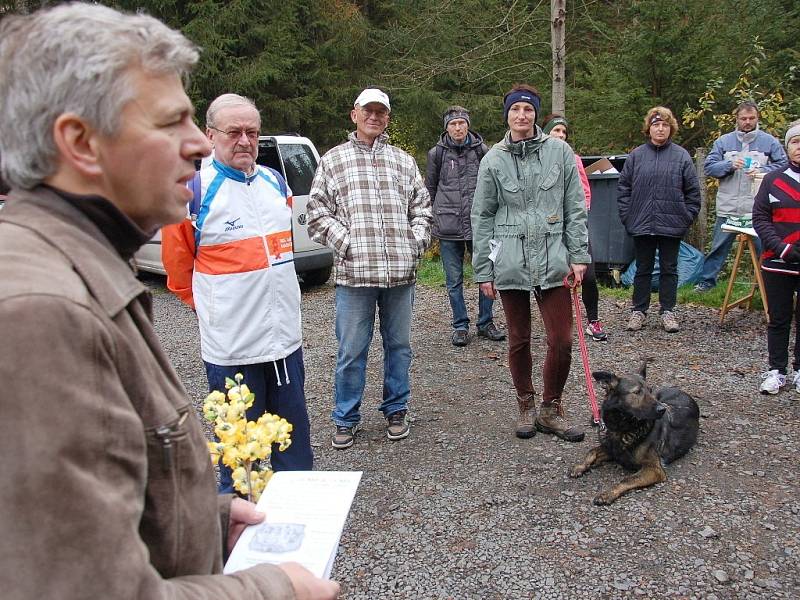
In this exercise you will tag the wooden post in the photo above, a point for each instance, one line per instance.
(558, 13)
(696, 236)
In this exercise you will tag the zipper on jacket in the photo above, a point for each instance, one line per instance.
(524, 260)
(375, 177)
(164, 435)
(546, 252)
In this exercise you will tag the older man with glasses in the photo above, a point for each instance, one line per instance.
(231, 261)
(369, 204)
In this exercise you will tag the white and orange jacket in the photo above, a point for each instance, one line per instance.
(233, 263)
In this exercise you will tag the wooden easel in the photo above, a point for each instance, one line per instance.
(744, 240)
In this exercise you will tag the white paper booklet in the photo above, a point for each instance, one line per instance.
(306, 512)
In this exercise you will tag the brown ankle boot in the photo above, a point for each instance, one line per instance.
(551, 420)
(527, 413)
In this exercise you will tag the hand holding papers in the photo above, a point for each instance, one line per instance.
(306, 512)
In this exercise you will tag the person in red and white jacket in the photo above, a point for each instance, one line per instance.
(776, 219)
(232, 262)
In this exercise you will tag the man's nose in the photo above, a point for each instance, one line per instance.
(198, 145)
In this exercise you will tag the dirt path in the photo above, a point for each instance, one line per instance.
(462, 509)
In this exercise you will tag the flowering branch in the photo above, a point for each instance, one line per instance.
(244, 446)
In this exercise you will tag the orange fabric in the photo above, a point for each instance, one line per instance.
(177, 255)
(279, 244)
(239, 256)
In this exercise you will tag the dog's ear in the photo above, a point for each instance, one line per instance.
(608, 380)
(643, 368)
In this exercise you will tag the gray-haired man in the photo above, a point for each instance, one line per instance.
(110, 491)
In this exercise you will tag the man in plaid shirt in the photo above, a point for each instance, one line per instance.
(369, 204)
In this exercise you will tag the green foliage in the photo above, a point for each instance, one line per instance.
(430, 272)
(304, 61)
(400, 135)
(778, 104)
(713, 113)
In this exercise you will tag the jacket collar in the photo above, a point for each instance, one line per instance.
(527, 146)
(380, 142)
(663, 146)
(474, 140)
(235, 174)
(746, 137)
(109, 278)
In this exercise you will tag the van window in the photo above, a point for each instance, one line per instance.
(268, 155)
(300, 165)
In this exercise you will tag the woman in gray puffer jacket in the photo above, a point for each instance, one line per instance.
(659, 198)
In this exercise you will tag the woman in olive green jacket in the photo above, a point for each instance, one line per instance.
(529, 233)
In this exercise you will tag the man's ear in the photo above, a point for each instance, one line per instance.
(77, 144)
(353, 116)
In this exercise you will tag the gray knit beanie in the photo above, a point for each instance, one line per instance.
(794, 130)
(455, 112)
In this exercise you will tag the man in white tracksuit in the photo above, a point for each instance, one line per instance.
(231, 260)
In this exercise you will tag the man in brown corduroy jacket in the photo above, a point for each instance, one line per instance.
(108, 489)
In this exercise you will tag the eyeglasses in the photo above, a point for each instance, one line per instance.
(236, 134)
(380, 113)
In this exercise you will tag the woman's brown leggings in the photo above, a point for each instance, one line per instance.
(556, 310)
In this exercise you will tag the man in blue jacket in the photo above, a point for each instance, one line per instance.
(735, 160)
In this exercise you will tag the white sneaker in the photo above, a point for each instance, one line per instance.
(773, 382)
(796, 381)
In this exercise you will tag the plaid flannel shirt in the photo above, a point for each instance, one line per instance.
(371, 207)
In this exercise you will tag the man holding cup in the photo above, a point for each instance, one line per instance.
(736, 158)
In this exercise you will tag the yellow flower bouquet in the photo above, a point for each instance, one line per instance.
(244, 446)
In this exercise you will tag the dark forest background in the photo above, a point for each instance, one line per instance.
(304, 61)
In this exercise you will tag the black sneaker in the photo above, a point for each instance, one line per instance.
(344, 436)
(491, 332)
(460, 337)
(398, 426)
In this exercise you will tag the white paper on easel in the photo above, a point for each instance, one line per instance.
(306, 512)
(734, 229)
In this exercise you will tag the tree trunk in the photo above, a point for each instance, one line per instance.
(696, 236)
(558, 13)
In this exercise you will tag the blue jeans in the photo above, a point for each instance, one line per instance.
(453, 263)
(277, 394)
(721, 245)
(355, 323)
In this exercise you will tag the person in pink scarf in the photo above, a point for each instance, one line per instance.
(556, 126)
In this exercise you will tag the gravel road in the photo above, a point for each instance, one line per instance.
(462, 509)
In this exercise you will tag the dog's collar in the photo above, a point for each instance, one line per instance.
(629, 439)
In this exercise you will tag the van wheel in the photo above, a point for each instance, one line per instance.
(317, 276)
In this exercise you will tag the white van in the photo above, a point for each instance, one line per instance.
(296, 158)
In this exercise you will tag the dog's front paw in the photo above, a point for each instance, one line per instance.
(577, 470)
(604, 499)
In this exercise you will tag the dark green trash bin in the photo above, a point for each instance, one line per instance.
(612, 247)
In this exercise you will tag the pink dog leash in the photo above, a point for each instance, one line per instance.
(569, 282)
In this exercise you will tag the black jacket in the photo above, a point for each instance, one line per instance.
(451, 176)
(659, 193)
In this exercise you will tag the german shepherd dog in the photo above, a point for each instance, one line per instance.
(644, 431)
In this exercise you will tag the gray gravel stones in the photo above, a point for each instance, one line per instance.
(462, 509)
